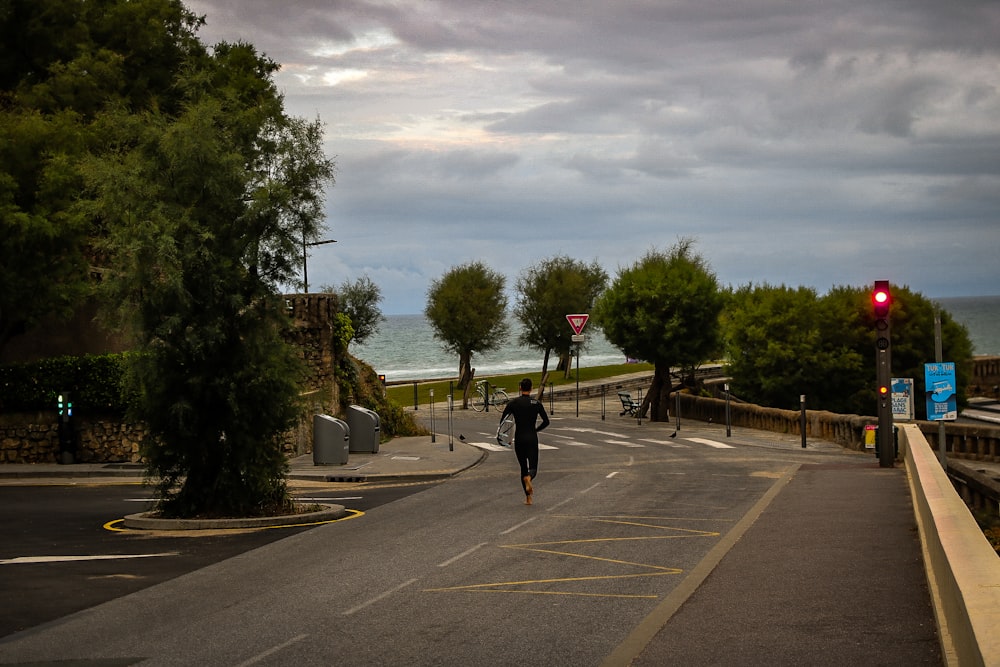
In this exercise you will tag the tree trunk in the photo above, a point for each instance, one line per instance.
(465, 375)
(658, 398)
(465, 370)
(545, 375)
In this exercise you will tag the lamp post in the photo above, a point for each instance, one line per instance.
(305, 257)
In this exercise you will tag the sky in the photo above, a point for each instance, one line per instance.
(800, 142)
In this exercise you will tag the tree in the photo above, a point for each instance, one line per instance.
(359, 301)
(783, 342)
(546, 293)
(663, 309)
(202, 216)
(466, 308)
(63, 63)
(778, 348)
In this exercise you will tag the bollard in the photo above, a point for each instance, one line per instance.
(415, 402)
(802, 418)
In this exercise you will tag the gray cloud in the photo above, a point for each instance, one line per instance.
(820, 143)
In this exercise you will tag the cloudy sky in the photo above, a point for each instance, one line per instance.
(804, 142)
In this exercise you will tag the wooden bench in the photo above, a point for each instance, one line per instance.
(629, 405)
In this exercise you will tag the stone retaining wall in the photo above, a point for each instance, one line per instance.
(109, 438)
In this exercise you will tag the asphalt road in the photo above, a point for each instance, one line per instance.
(462, 573)
(63, 552)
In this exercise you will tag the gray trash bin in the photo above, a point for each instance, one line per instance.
(331, 440)
(365, 426)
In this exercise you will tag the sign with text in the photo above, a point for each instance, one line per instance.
(939, 384)
(902, 398)
(578, 321)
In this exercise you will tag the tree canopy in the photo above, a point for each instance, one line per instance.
(663, 309)
(546, 293)
(782, 343)
(467, 309)
(173, 173)
(64, 63)
(359, 300)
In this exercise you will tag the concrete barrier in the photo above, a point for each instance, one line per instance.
(963, 570)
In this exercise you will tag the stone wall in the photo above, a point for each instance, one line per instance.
(107, 438)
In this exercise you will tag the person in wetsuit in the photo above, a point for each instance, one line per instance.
(526, 412)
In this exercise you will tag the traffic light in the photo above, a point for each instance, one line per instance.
(881, 299)
(882, 303)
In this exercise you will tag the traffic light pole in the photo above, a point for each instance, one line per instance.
(886, 441)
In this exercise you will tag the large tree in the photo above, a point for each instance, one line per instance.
(778, 350)
(663, 309)
(63, 63)
(784, 342)
(546, 293)
(200, 215)
(467, 309)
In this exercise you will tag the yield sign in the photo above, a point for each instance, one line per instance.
(578, 321)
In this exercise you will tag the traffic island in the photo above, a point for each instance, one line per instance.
(149, 521)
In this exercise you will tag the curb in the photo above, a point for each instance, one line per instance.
(143, 521)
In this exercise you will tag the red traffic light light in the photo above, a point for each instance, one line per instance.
(881, 298)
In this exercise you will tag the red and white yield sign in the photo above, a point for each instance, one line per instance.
(578, 321)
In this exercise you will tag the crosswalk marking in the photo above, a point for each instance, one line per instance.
(624, 443)
(710, 443)
(668, 443)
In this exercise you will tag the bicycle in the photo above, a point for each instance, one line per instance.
(497, 398)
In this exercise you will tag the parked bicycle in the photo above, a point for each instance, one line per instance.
(498, 397)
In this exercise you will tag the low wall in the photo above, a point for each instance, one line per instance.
(34, 438)
(962, 567)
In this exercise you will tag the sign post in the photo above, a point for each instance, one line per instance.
(577, 321)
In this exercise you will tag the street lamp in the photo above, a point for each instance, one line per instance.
(305, 256)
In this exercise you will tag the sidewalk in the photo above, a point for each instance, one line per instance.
(398, 459)
(829, 572)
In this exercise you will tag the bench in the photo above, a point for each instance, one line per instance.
(629, 405)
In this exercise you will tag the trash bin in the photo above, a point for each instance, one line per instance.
(364, 425)
(331, 440)
(895, 442)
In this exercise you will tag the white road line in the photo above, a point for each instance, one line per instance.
(541, 446)
(591, 430)
(515, 527)
(590, 488)
(624, 443)
(23, 560)
(462, 555)
(710, 443)
(611, 474)
(354, 610)
(558, 505)
(271, 651)
(668, 443)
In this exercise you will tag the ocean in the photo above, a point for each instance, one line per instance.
(405, 348)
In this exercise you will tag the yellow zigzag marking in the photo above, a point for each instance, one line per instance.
(654, 570)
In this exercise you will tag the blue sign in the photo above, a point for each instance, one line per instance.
(939, 383)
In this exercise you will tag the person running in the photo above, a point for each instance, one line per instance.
(526, 412)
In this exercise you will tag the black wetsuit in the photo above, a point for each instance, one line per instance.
(526, 412)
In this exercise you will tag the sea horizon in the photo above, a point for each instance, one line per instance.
(405, 348)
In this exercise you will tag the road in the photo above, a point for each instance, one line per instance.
(62, 551)
(460, 573)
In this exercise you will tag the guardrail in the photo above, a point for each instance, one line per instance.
(962, 568)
